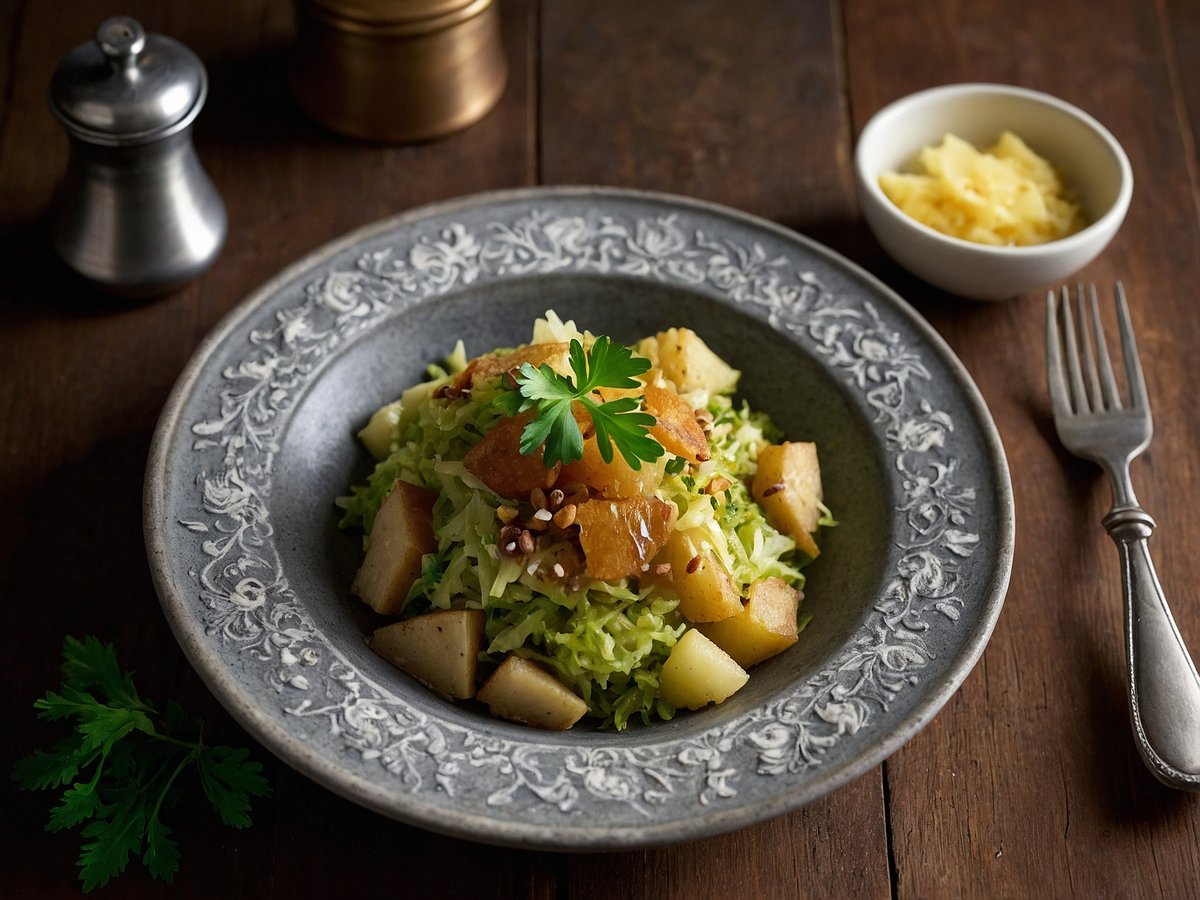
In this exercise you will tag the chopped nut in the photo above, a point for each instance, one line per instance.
(525, 543)
(565, 517)
(535, 524)
(537, 497)
(774, 489)
(718, 485)
(558, 570)
(662, 569)
(510, 540)
(693, 564)
(556, 499)
(543, 515)
(449, 392)
(507, 514)
(575, 494)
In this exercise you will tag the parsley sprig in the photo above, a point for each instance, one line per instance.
(618, 423)
(122, 766)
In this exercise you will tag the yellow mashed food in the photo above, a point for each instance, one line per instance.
(1007, 195)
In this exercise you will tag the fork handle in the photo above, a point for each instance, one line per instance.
(1164, 687)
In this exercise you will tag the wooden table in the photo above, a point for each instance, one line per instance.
(1026, 784)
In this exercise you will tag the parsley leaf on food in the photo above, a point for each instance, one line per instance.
(675, 465)
(620, 422)
(121, 767)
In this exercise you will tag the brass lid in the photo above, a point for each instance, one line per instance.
(397, 15)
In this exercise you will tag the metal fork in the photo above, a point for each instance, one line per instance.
(1093, 422)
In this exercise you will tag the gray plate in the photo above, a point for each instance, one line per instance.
(257, 439)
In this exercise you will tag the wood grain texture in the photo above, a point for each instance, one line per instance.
(835, 847)
(11, 13)
(736, 103)
(1026, 784)
(1182, 37)
(1028, 781)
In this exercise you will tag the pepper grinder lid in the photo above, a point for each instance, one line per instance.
(127, 86)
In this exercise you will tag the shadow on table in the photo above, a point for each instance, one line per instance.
(34, 278)
(249, 103)
(36, 282)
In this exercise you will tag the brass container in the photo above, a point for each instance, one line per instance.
(397, 70)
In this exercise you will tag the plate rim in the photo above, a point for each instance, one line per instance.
(321, 768)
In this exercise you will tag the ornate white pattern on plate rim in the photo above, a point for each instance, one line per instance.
(248, 603)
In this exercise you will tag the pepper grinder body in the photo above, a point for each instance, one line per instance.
(139, 220)
(136, 213)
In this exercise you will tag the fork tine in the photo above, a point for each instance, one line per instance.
(1060, 403)
(1079, 400)
(1112, 396)
(1138, 398)
(1088, 339)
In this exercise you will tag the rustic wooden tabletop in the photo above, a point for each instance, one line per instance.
(1026, 784)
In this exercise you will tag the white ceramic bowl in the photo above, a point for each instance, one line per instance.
(1092, 162)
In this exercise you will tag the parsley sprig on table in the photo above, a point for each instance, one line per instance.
(617, 422)
(122, 766)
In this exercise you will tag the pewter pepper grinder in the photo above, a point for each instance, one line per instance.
(136, 213)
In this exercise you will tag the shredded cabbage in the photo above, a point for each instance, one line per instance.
(606, 641)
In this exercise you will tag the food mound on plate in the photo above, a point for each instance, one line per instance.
(574, 527)
(1006, 196)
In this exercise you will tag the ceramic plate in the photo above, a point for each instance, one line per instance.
(258, 438)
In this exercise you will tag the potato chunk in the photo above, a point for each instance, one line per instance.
(497, 461)
(766, 626)
(698, 673)
(787, 486)
(440, 649)
(493, 365)
(522, 691)
(620, 537)
(705, 589)
(401, 534)
(616, 479)
(675, 424)
(689, 363)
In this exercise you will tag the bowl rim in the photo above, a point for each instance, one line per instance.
(1099, 229)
